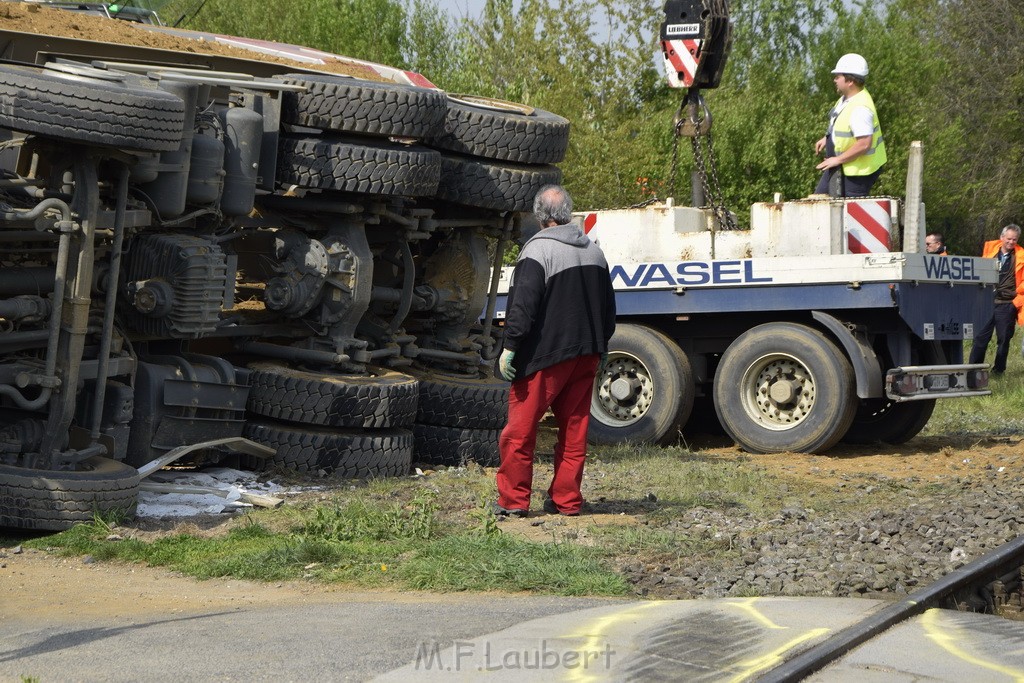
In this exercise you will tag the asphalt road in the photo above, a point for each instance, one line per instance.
(339, 639)
(424, 637)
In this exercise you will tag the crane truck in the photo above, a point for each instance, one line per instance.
(243, 254)
(821, 323)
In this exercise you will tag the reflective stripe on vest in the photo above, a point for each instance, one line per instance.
(842, 137)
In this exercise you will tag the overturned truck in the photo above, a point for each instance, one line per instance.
(200, 252)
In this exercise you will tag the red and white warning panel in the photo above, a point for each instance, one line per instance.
(868, 226)
(682, 57)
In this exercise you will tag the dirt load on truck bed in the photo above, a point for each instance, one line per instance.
(46, 21)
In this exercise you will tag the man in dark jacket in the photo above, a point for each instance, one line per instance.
(559, 318)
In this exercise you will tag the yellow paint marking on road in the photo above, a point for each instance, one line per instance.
(596, 635)
(747, 605)
(774, 658)
(947, 636)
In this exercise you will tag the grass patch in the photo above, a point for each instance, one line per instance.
(659, 544)
(1001, 413)
(679, 479)
(363, 541)
(483, 562)
(433, 533)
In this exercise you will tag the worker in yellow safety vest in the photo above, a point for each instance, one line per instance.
(854, 140)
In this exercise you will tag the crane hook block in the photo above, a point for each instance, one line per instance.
(696, 37)
(693, 118)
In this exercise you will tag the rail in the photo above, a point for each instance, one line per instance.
(986, 568)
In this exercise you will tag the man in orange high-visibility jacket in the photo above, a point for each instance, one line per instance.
(1009, 308)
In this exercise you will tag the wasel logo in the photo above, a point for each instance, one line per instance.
(950, 268)
(687, 273)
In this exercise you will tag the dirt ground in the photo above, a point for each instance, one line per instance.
(34, 581)
(923, 460)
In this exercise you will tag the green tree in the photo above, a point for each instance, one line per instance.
(978, 107)
(374, 30)
(590, 61)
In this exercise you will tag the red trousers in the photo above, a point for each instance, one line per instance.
(566, 388)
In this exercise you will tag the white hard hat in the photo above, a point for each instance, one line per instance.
(852, 64)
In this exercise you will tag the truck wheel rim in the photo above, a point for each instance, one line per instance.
(778, 391)
(622, 391)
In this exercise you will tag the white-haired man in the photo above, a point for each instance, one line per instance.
(559, 318)
(1009, 306)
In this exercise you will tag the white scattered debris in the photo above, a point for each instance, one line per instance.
(229, 489)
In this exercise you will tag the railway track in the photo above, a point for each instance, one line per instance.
(991, 584)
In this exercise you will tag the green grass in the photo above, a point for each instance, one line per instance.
(502, 562)
(1001, 413)
(679, 479)
(358, 539)
(434, 533)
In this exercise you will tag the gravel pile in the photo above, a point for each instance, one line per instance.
(886, 552)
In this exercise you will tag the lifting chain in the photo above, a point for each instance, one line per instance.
(693, 120)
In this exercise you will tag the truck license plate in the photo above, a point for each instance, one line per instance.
(937, 382)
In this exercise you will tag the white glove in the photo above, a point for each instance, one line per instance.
(505, 365)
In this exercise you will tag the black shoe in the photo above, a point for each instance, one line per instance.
(499, 511)
(552, 509)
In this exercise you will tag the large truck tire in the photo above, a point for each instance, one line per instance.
(784, 387)
(352, 454)
(381, 398)
(346, 166)
(891, 422)
(479, 402)
(499, 186)
(454, 447)
(54, 500)
(89, 111)
(644, 393)
(509, 132)
(882, 419)
(364, 107)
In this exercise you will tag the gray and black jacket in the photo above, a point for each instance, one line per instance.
(561, 304)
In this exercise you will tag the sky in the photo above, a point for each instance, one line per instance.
(461, 8)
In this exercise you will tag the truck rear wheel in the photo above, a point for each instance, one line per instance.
(488, 185)
(644, 393)
(351, 454)
(56, 500)
(881, 419)
(380, 398)
(885, 420)
(795, 390)
(479, 402)
(454, 446)
(364, 107)
(349, 166)
(88, 110)
(503, 130)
